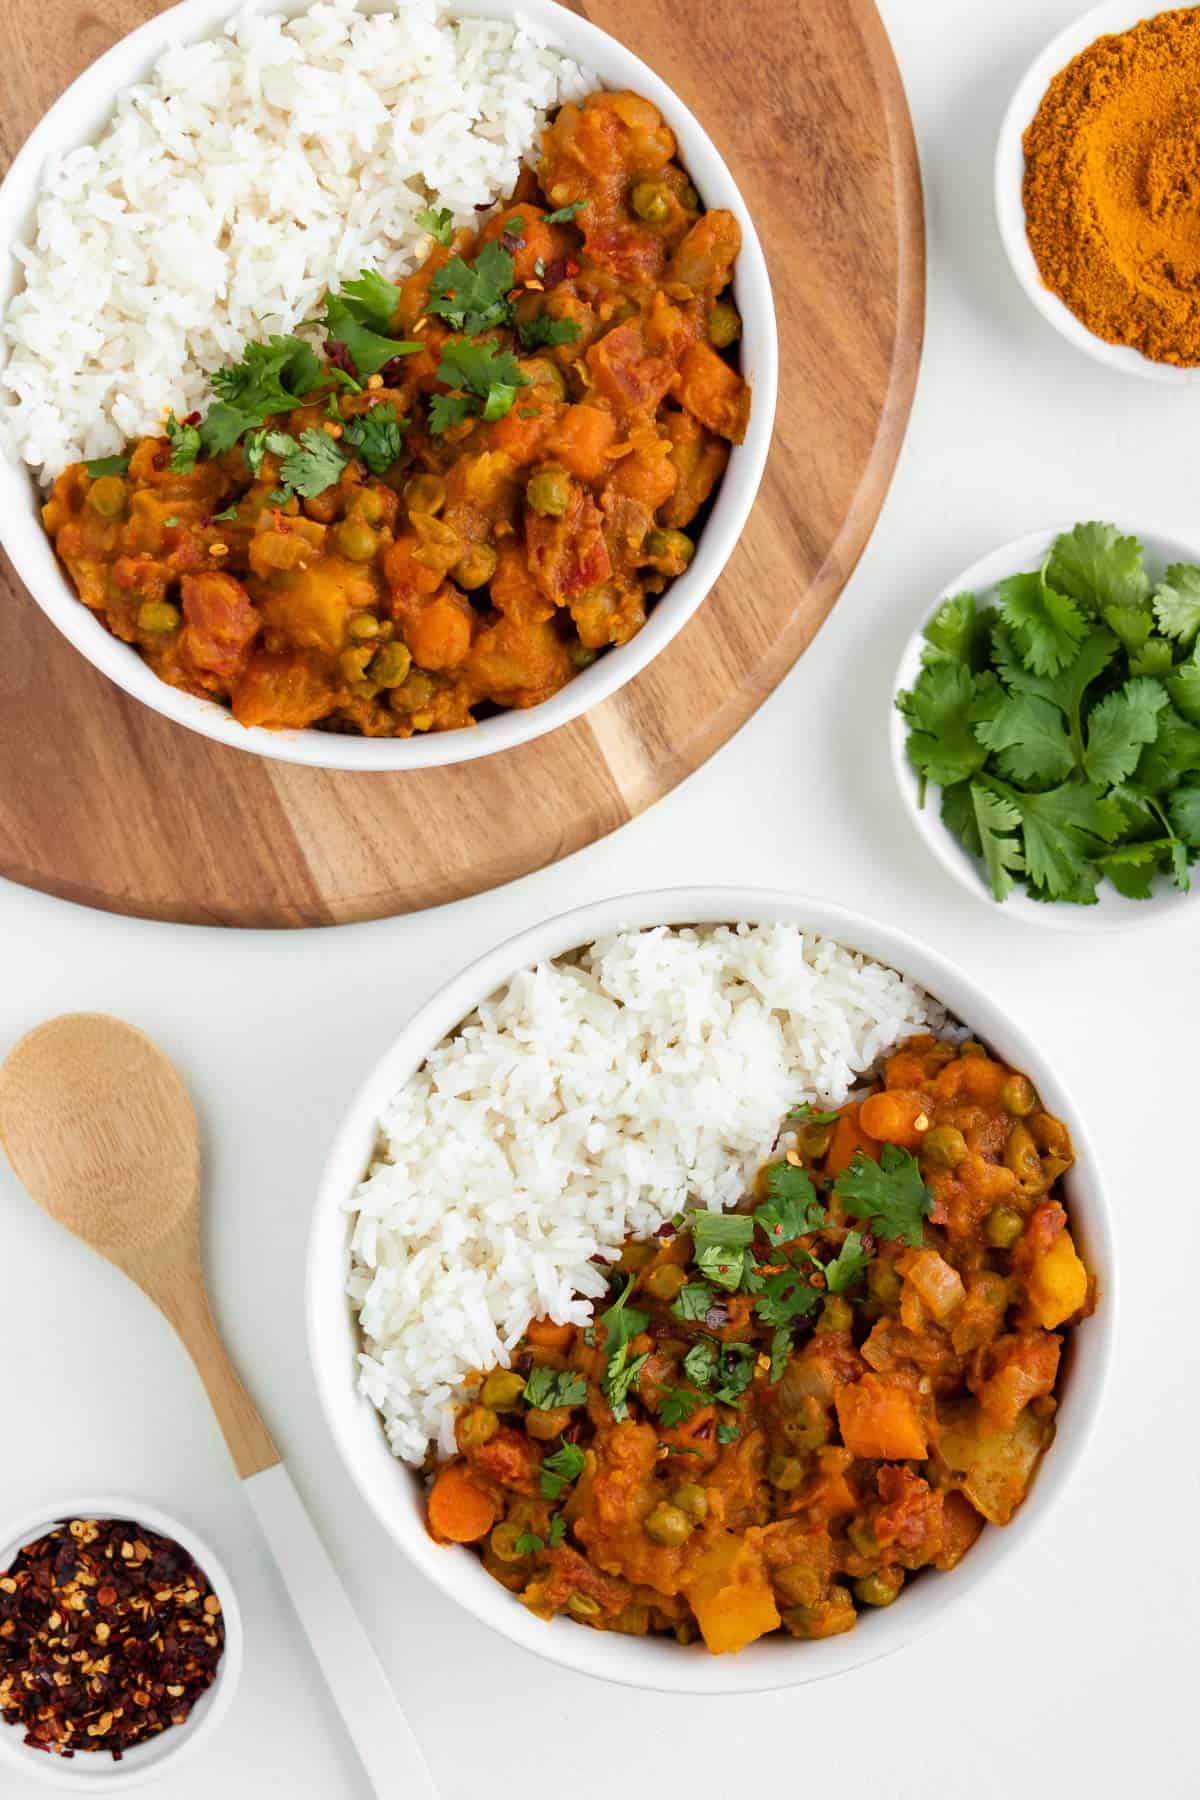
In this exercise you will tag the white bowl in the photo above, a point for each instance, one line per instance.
(158, 1755)
(395, 1493)
(1112, 16)
(1112, 912)
(84, 109)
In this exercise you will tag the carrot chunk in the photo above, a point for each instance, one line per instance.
(459, 1512)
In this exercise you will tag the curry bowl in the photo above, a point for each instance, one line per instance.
(1110, 17)
(158, 1756)
(395, 1492)
(85, 108)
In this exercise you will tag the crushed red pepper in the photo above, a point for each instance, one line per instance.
(109, 1634)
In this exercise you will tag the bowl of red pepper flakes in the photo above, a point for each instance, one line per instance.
(120, 1643)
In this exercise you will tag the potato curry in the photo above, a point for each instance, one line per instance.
(788, 1410)
(496, 468)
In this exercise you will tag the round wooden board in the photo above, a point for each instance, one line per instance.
(104, 802)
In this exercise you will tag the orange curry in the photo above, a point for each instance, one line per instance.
(486, 482)
(787, 1411)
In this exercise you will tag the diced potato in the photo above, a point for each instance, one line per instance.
(1057, 1283)
(877, 1419)
(731, 1596)
(992, 1468)
(938, 1285)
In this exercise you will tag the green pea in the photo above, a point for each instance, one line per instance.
(787, 1473)
(836, 1314)
(668, 1525)
(883, 1281)
(671, 551)
(666, 1281)
(724, 324)
(1018, 1096)
(1002, 1227)
(157, 615)
(814, 1141)
(691, 1498)
(362, 626)
(356, 540)
(944, 1147)
(476, 566)
(476, 1427)
(503, 1542)
(107, 497)
(353, 663)
(651, 200)
(548, 492)
(390, 665)
(879, 1589)
(502, 1390)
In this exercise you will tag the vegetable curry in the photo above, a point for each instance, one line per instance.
(485, 484)
(788, 1410)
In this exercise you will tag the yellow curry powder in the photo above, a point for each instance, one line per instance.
(1112, 187)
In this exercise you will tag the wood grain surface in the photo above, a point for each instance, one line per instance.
(106, 803)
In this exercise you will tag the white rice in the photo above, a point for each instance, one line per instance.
(247, 175)
(589, 1100)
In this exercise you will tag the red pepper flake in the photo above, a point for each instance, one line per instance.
(555, 272)
(109, 1634)
(337, 354)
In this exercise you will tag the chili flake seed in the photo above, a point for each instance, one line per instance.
(794, 1158)
(217, 550)
(77, 1682)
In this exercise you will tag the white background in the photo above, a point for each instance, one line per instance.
(1077, 1673)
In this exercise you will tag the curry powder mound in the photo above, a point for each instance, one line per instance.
(1112, 187)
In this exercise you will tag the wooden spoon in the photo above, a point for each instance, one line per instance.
(99, 1128)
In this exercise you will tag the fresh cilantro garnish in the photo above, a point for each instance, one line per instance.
(376, 436)
(359, 318)
(439, 223)
(563, 213)
(890, 1194)
(848, 1266)
(185, 446)
(549, 1388)
(784, 1297)
(174, 520)
(560, 1470)
(529, 1543)
(1059, 725)
(222, 518)
(722, 1242)
(311, 466)
(676, 1406)
(544, 331)
(700, 1363)
(621, 1323)
(107, 465)
(811, 1117)
(271, 378)
(693, 1301)
(781, 1345)
(473, 297)
(722, 1372)
(486, 377)
(793, 1208)
(728, 1432)
(558, 1531)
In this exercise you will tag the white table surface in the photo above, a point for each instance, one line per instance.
(1077, 1671)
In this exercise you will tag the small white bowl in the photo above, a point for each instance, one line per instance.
(1112, 16)
(396, 1494)
(81, 113)
(1112, 912)
(87, 1773)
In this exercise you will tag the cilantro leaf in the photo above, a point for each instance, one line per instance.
(1177, 602)
(446, 410)
(107, 465)
(546, 1389)
(376, 436)
(1132, 625)
(1097, 567)
(185, 445)
(848, 1266)
(957, 633)
(793, 1208)
(785, 1297)
(618, 1384)
(529, 1543)
(735, 1369)
(1154, 658)
(781, 1347)
(1062, 830)
(314, 465)
(1174, 752)
(558, 1531)
(993, 818)
(811, 1116)
(958, 815)
(486, 377)
(1133, 868)
(1029, 739)
(693, 1301)
(941, 712)
(473, 297)
(563, 213)
(621, 1323)
(728, 1432)
(544, 331)
(359, 317)
(438, 223)
(1185, 814)
(560, 1470)
(1118, 728)
(721, 1243)
(221, 518)
(700, 1363)
(1183, 685)
(890, 1194)
(1047, 626)
(274, 377)
(676, 1405)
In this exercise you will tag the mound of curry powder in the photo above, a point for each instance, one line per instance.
(1112, 187)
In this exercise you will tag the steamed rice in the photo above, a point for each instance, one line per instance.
(248, 174)
(589, 1100)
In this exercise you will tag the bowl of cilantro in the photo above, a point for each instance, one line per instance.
(1046, 726)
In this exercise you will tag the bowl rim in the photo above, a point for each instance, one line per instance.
(144, 1762)
(1008, 173)
(391, 1489)
(90, 98)
(1113, 912)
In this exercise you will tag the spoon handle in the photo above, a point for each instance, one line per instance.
(378, 1729)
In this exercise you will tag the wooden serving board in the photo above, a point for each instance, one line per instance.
(104, 802)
